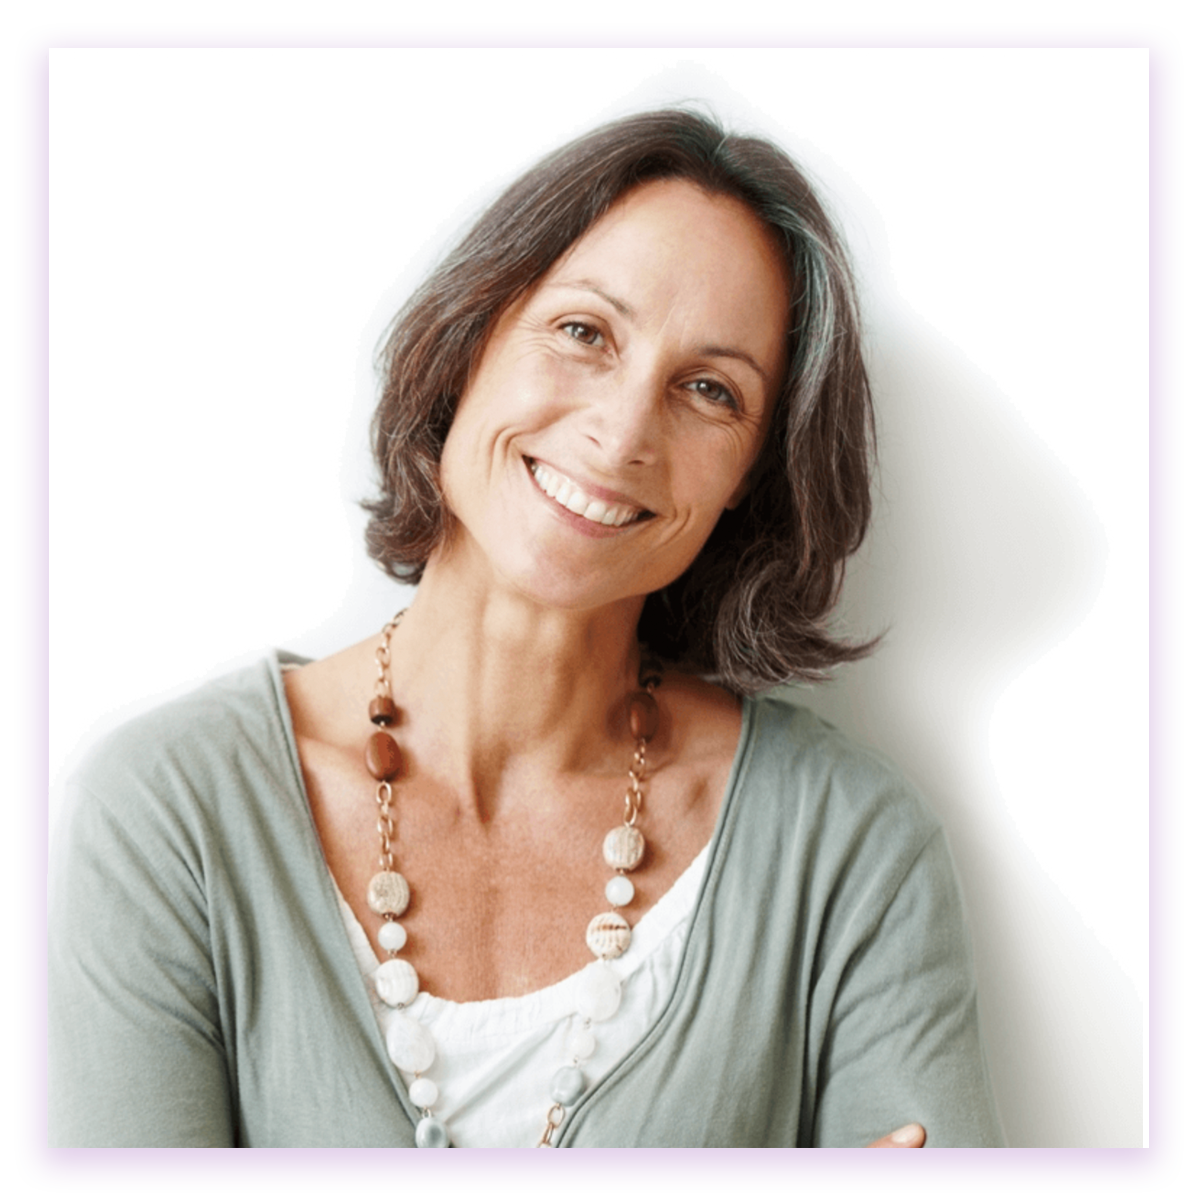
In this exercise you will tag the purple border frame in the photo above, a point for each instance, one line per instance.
(1015, 1170)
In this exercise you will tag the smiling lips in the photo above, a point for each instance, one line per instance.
(572, 497)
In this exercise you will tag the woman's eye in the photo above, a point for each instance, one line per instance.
(718, 393)
(578, 331)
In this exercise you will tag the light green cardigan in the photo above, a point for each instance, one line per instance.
(203, 991)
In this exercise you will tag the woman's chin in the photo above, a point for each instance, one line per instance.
(566, 591)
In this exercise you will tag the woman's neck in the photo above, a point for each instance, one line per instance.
(498, 690)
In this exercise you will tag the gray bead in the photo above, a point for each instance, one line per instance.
(568, 1085)
(431, 1134)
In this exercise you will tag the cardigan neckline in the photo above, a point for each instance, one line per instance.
(718, 847)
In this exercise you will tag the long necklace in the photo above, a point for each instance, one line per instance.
(598, 987)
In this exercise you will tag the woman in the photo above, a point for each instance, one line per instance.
(568, 896)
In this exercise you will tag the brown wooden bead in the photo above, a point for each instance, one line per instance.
(383, 756)
(382, 710)
(643, 715)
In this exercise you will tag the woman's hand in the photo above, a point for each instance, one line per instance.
(910, 1137)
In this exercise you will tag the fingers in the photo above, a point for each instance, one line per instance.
(911, 1137)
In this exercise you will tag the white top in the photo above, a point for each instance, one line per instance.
(496, 1058)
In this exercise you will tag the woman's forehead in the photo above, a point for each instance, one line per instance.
(672, 248)
(675, 214)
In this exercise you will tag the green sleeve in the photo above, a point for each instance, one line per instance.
(136, 1050)
(902, 1042)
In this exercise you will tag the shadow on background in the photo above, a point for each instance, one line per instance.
(985, 555)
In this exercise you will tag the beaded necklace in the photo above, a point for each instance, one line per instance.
(410, 1045)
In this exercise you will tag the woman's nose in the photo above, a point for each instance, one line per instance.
(624, 419)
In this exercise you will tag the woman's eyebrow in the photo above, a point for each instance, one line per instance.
(588, 285)
(733, 352)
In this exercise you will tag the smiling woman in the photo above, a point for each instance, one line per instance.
(579, 888)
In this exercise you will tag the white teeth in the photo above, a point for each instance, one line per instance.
(562, 490)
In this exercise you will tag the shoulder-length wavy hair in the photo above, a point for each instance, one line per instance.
(752, 609)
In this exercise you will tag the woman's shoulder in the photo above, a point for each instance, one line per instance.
(790, 771)
(837, 828)
(231, 725)
(826, 779)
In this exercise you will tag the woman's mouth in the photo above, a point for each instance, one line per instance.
(576, 499)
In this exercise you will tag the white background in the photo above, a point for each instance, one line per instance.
(230, 232)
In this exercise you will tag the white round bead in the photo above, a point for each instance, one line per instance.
(608, 935)
(618, 891)
(597, 991)
(581, 1044)
(393, 935)
(396, 982)
(624, 847)
(409, 1044)
(423, 1093)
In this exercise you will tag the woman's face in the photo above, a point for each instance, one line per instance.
(618, 407)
